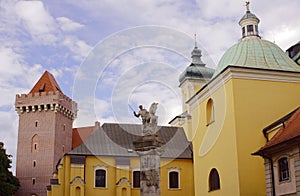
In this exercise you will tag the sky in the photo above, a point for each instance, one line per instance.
(107, 54)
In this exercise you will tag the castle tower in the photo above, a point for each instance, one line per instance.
(44, 135)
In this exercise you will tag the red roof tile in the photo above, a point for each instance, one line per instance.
(290, 131)
(46, 83)
(81, 134)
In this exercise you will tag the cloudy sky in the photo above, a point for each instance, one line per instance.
(108, 54)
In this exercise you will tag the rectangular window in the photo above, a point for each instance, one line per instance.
(136, 179)
(100, 178)
(284, 173)
(250, 29)
(173, 180)
(243, 31)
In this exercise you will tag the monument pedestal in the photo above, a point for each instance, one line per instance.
(149, 148)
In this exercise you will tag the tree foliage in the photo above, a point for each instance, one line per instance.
(9, 184)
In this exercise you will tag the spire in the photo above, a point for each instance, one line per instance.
(249, 23)
(196, 54)
(46, 83)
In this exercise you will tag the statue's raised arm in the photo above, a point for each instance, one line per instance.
(144, 115)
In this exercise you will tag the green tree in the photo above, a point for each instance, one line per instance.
(9, 184)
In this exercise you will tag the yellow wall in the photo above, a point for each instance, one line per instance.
(242, 109)
(67, 174)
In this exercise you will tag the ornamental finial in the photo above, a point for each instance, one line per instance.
(195, 35)
(247, 6)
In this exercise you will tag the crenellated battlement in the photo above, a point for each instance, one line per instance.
(46, 101)
(40, 94)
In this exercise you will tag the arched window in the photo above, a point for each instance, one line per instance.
(34, 143)
(136, 179)
(210, 113)
(36, 123)
(100, 178)
(34, 163)
(284, 172)
(77, 191)
(214, 180)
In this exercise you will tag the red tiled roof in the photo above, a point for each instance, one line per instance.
(46, 83)
(81, 134)
(290, 131)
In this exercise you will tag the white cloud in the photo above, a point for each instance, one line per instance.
(39, 23)
(79, 47)
(68, 25)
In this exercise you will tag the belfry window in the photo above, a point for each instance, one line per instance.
(210, 113)
(250, 29)
(284, 173)
(243, 32)
(214, 180)
(100, 178)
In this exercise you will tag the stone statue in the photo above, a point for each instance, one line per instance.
(247, 6)
(149, 119)
(144, 115)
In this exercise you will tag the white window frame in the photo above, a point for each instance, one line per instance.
(174, 169)
(100, 167)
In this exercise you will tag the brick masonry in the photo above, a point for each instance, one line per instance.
(44, 135)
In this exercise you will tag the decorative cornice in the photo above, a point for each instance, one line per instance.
(237, 72)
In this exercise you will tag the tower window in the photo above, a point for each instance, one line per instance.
(250, 29)
(284, 173)
(34, 163)
(136, 179)
(34, 143)
(33, 181)
(36, 123)
(210, 113)
(243, 31)
(63, 148)
(214, 180)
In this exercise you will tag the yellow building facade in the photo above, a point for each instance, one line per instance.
(254, 83)
(105, 164)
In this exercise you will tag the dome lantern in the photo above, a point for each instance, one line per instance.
(249, 23)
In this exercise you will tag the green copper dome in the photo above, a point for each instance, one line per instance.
(257, 53)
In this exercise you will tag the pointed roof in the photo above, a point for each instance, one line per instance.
(290, 131)
(46, 83)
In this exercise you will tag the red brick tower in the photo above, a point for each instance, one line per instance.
(45, 133)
